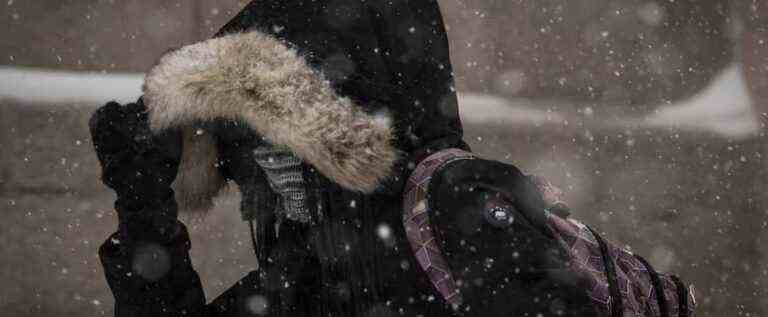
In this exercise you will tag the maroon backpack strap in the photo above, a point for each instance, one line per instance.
(617, 305)
(658, 288)
(682, 296)
(416, 211)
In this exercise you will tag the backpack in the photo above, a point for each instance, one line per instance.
(621, 283)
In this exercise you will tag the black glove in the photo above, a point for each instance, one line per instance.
(483, 185)
(140, 166)
(491, 222)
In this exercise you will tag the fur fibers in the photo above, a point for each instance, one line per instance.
(256, 78)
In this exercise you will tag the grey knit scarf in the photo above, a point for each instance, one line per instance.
(284, 173)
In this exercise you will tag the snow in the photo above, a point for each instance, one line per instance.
(651, 13)
(257, 304)
(723, 108)
(690, 202)
(61, 87)
(384, 231)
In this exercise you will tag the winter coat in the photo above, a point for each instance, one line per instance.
(362, 92)
(359, 90)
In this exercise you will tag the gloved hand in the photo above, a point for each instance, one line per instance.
(482, 186)
(491, 222)
(140, 166)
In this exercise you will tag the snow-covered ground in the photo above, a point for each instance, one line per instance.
(50, 86)
(723, 108)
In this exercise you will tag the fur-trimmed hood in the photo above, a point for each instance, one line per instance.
(256, 78)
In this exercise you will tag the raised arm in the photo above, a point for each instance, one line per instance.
(146, 262)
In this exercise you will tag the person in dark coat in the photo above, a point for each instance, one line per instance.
(318, 111)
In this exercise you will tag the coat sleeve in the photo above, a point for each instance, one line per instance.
(151, 278)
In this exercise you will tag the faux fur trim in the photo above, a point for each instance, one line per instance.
(256, 78)
(198, 181)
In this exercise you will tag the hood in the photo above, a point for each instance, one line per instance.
(257, 79)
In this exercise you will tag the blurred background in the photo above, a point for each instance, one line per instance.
(650, 114)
